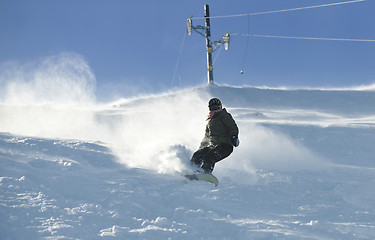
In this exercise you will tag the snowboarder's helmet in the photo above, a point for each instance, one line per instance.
(214, 104)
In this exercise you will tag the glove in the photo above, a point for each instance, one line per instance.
(235, 141)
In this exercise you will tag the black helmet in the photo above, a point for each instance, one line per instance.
(214, 104)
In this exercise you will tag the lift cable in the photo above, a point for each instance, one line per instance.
(305, 38)
(283, 10)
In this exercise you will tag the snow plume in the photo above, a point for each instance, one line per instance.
(65, 78)
(265, 149)
(160, 132)
(55, 98)
(369, 87)
(50, 97)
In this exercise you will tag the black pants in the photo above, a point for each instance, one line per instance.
(208, 156)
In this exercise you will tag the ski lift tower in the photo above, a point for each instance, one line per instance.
(209, 44)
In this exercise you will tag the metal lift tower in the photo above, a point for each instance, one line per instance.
(209, 43)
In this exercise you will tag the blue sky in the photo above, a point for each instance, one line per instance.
(132, 44)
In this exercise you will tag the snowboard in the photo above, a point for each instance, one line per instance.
(202, 177)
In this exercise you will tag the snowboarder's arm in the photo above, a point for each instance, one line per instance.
(206, 140)
(231, 125)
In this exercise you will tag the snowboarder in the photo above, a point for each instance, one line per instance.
(220, 137)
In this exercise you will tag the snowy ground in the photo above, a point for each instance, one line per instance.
(305, 168)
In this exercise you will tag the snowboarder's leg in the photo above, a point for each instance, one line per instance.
(198, 156)
(215, 155)
(208, 165)
(222, 151)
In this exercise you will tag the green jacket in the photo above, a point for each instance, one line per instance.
(219, 129)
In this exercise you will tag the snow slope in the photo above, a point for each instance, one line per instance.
(305, 168)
